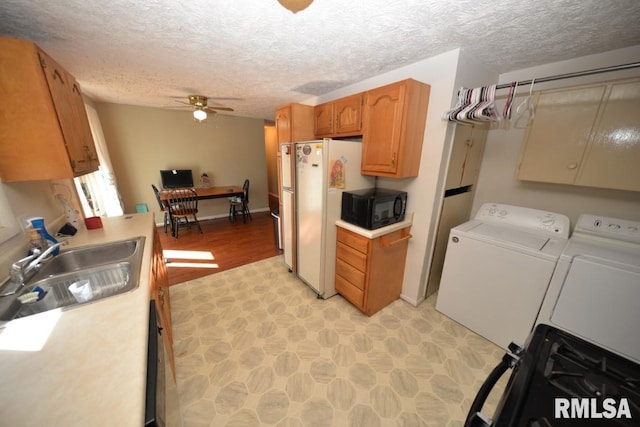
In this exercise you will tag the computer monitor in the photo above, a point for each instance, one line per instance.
(175, 178)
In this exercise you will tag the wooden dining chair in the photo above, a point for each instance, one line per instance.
(240, 204)
(162, 206)
(183, 206)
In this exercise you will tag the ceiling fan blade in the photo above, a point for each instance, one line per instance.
(219, 108)
(181, 102)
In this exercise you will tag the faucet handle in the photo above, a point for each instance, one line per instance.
(19, 264)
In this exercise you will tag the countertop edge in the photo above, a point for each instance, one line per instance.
(372, 234)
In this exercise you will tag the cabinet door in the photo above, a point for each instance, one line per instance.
(283, 124)
(59, 83)
(69, 105)
(559, 134)
(612, 159)
(382, 129)
(323, 120)
(348, 115)
(466, 156)
(85, 158)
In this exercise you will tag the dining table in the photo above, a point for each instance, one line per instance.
(202, 193)
(209, 192)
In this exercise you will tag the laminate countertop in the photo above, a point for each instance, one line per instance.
(373, 234)
(85, 366)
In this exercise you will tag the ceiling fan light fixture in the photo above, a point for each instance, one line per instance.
(295, 5)
(200, 115)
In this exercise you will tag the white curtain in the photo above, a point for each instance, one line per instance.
(98, 191)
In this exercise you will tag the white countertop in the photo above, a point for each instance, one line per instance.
(372, 234)
(85, 366)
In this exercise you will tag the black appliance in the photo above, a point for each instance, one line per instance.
(176, 178)
(155, 409)
(561, 380)
(373, 208)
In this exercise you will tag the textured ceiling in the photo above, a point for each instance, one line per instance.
(254, 55)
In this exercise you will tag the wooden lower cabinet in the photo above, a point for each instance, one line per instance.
(160, 293)
(369, 272)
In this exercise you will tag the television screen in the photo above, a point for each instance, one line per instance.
(176, 178)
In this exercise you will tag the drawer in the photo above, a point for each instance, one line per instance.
(350, 273)
(351, 256)
(357, 242)
(354, 295)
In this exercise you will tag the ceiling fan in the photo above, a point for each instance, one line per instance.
(199, 104)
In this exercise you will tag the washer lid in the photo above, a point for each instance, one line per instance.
(510, 235)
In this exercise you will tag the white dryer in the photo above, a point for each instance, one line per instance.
(497, 269)
(595, 290)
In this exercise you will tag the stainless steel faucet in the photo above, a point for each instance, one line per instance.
(22, 269)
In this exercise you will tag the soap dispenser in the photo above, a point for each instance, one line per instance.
(38, 224)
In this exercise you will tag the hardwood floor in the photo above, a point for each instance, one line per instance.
(230, 244)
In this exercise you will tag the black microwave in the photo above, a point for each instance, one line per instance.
(373, 208)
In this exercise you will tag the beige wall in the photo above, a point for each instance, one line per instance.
(26, 200)
(142, 141)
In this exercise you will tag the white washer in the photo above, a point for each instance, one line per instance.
(497, 269)
(595, 290)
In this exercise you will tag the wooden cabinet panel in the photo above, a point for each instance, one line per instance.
(353, 240)
(394, 119)
(350, 273)
(612, 160)
(294, 122)
(379, 283)
(323, 120)
(69, 105)
(283, 124)
(339, 118)
(353, 294)
(348, 115)
(352, 256)
(45, 134)
(159, 283)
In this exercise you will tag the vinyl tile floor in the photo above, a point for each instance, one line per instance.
(255, 347)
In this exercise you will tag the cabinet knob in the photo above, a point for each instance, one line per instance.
(572, 166)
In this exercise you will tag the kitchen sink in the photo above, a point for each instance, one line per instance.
(110, 268)
(90, 256)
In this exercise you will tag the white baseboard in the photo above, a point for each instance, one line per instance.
(414, 302)
(202, 218)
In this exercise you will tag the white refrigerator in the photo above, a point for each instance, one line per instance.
(288, 202)
(324, 169)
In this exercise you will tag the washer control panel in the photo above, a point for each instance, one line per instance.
(612, 228)
(548, 223)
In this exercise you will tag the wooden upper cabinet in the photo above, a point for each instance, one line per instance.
(394, 119)
(45, 133)
(339, 118)
(294, 122)
(323, 120)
